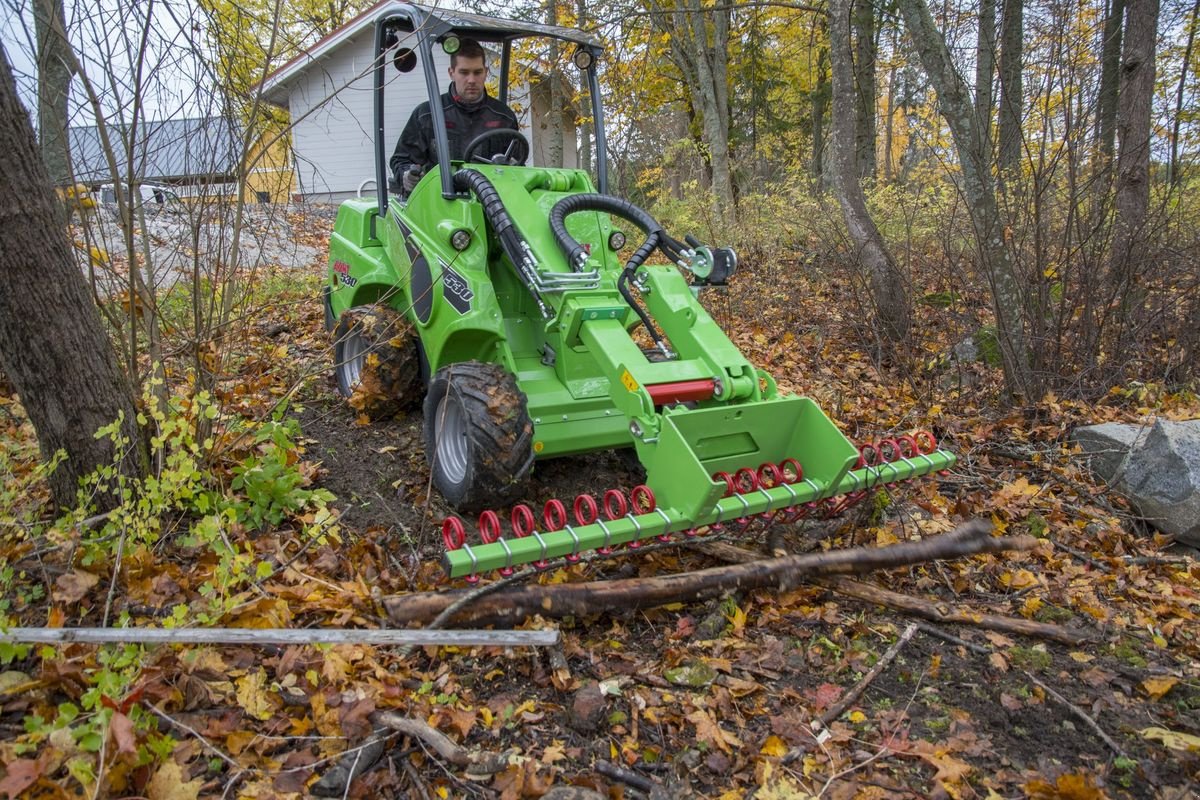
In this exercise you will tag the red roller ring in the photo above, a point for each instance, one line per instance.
(522, 521)
(453, 533)
(586, 510)
(615, 504)
(769, 475)
(728, 480)
(797, 470)
(554, 515)
(642, 500)
(886, 445)
(489, 527)
(909, 444)
(745, 480)
(926, 443)
(868, 460)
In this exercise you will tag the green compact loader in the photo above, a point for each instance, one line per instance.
(497, 294)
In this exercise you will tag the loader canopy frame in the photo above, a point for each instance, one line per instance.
(432, 26)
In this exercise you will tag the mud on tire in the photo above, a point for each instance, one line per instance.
(478, 436)
(376, 361)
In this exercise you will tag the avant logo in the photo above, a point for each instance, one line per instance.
(343, 271)
(455, 289)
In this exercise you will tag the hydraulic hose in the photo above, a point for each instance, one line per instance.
(576, 254)
(514, 245)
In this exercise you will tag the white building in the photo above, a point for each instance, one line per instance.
(327, 91)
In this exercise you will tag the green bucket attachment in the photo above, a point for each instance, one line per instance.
(694, 445)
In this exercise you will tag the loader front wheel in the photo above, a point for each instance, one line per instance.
(478, 435)
(376, 362)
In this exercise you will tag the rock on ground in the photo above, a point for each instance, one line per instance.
(1156, 468)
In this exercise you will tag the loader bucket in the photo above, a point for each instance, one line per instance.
(697, 444)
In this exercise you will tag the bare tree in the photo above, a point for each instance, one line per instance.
(1012, 31)
(1133, 132)
(53, 346)
(887, 285)
(1110, 62)
(700, 48)
(956, 106)
(866, 51)
(55, 67)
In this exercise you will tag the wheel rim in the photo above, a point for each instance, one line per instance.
(451, 431)
(354, 349)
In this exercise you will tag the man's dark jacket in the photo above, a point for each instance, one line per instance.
(464, 121)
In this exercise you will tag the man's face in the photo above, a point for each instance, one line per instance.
(469, 75)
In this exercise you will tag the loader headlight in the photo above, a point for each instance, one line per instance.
(582, 58)
(616, 240)
(460, 240)
(451, 44)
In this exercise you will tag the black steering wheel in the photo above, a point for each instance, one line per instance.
(516, 153)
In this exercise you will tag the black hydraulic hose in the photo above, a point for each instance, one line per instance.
(514, 245)
(573, 250)
(623, 288)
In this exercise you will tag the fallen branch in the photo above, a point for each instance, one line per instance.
(1079, 712)
(942, 612)
(265, 636)
(820, 724)
(511, 606)
(476, 762)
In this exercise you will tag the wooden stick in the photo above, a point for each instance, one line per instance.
(477, 762)
(514, 605)
(268, 636)
(626, 776)
(837, 708)
(942, 612)
(1079, 712)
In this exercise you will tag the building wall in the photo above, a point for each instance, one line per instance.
(271, 176)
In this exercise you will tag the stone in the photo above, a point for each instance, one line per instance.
(588, 708)
(1157, 469)
(1105, 446)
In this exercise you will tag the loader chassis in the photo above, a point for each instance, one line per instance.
(502, 290)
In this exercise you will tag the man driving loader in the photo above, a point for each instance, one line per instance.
(469, 112)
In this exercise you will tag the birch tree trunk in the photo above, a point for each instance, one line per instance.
(554, 115)
(887, 285)
(956, 107)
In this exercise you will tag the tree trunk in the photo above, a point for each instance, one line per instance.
(1133, 132)
(53, 346)
(887, 285)
(1173, 163)
(584, 99)
(866, 53)
(1110, 63)
(1011, 97)
(819, 99)
(53, 88)
(554, 116)
(985, 70)
(700, 48)
(954, 102)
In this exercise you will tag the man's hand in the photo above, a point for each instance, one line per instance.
(412, 176)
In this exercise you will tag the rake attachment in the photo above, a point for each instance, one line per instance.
(773, 492)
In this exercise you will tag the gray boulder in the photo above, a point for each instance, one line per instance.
(1157, 468)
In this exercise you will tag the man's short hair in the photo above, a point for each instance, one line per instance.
(468, 48)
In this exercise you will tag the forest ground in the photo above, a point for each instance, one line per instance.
(698, 699)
